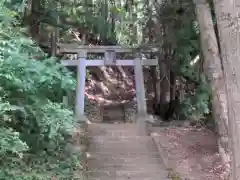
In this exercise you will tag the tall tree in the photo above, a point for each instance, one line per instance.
(227, 21)
(213, 69)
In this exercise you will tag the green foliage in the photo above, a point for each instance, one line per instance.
(105, 19)
(183, 39)
(34, 126)
(196, 104)
(62, 164)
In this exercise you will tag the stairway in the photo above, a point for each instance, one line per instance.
(116, 152)
(113, 113)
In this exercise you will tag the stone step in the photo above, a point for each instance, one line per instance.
(113, 129)
(123, 144)
(124, 153)
(111, 141)
(117, 127)
(125, 175)
(120, 172)
(129, 163)
(123, 159)
(120, 178)
(113, 113)
(127, 178)
(122, 148)
(150, 168)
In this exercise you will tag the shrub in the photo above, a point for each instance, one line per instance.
(33, 120)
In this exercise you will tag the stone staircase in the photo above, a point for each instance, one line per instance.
(117, 152)
(113, 113)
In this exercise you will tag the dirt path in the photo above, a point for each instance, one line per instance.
(117, 153)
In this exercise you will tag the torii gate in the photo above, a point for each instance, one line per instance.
(109, 60)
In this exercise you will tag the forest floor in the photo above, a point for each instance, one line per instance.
(187, 150)
(190, 151)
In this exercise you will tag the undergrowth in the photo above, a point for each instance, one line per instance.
(35, 128)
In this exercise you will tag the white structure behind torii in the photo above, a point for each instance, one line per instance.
(109, 60)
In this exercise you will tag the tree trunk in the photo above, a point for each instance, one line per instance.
(173, 102)
(34, 22)
(153, 74)
(165, 88)
(227, 21)
(28, 10)
(213, 69)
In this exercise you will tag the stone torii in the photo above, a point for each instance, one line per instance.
(109, 60)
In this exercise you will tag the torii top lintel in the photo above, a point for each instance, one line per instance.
(76, 48)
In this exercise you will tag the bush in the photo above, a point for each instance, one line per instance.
(33, 120)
